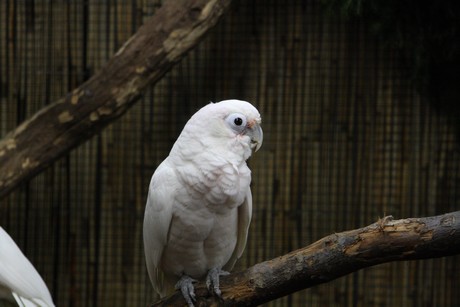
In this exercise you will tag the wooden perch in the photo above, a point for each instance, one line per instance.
(332, 257)
(152, 51)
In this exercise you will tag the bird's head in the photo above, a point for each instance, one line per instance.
(227, 126)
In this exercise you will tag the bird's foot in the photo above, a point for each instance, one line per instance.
(185, 285)
(212, 280)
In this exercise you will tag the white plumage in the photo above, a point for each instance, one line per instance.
(199, 204)
(19, 278)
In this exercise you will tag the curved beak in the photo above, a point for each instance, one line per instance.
(257, 136)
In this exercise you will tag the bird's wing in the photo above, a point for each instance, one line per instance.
(157, 221)
(244, 220)
(24, 302)
(19, 275)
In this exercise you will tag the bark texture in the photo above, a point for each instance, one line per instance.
(152, 51)
(334, 256)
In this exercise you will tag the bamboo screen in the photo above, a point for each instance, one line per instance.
(347, 140)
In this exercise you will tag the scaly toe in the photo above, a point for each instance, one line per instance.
(212, 280)
(185, 285)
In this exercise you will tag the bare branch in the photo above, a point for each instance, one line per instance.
(152, 51)
(332, 257)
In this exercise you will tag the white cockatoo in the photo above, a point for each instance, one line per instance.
(199, 204)
(19, 278)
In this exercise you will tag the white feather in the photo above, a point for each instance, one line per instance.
(19, 276)
(199, 205)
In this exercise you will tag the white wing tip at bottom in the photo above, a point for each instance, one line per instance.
(24, 302)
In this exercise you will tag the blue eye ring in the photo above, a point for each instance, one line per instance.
(236, 121)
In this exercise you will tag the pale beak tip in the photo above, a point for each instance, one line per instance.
(257, 137)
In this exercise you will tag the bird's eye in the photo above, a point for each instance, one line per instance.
(236, 121)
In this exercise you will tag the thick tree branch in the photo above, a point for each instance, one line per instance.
(335, 256)
(52, 132)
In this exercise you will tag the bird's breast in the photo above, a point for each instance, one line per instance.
(216, 180)
(199, 240)
(204, 228)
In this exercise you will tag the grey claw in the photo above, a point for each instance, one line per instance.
(212, 280)
(185, 285)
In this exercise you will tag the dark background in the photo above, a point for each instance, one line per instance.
(355, 128)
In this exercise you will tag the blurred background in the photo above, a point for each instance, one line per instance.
(360, 118)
